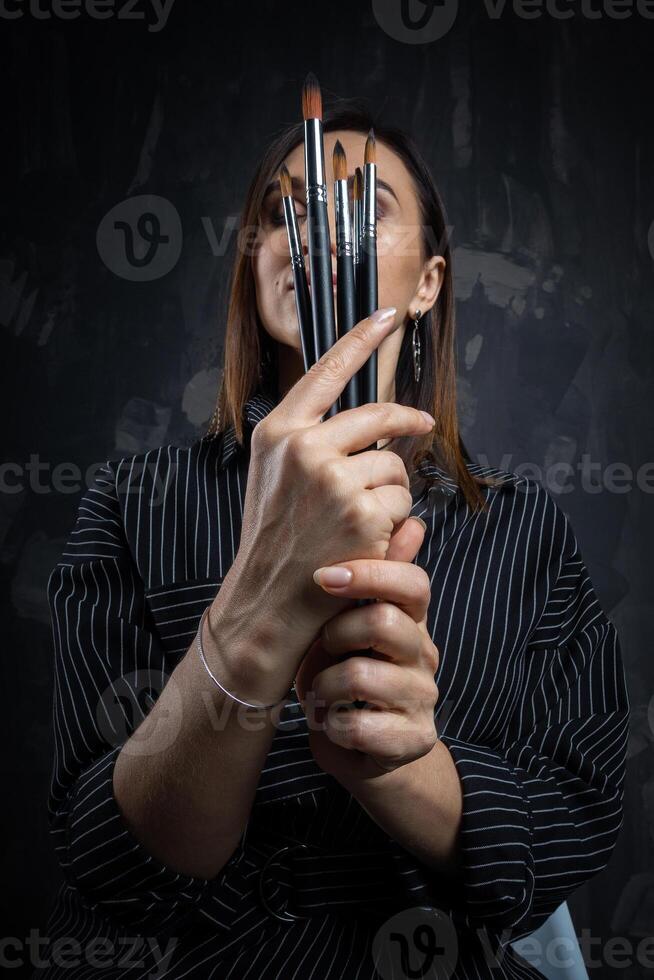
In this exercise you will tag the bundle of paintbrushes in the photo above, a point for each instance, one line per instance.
(356, 253)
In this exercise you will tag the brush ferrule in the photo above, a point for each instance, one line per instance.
(314, 163)
(370, 200)
(317, 192)
(343, 225)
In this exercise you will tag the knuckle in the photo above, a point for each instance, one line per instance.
(356, 680)
(357, 730)
(331, 366)
(381, 411)
(399, 469)
(329, 477)
(264, 435)
(299, 446)
(362, 337)
(382, 619)
(430, 692)
(359, 510)
(407, 500)
(379, 550)
(428, 740)
(423, 585)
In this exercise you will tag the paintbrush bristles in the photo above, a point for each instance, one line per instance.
(357, 191)
(311, 98)
(339, 162)
(285, 181)
(370, 154)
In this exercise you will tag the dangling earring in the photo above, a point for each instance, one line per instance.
(415, 343)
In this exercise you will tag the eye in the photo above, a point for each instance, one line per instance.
(275, 213)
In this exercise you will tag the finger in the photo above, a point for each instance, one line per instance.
(384, 628)
(377, 468)
(317, 390)
(357, 428)
(406, 540)
(405, 584)
(396, 502)
(390, 738)
(378, 682)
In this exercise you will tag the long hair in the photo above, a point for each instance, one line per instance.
(248, 345)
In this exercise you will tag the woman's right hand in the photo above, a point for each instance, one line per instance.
(309, 503)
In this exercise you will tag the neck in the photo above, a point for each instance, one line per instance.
(290, 368)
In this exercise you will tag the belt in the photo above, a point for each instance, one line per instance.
(299, 879)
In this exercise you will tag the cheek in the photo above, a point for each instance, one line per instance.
(399, 264)
(271, 261)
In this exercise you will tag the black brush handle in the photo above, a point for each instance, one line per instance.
(346, 304)
(369, 300)
(366, 287)
(304, 315)
(367, 294)
(322, 290)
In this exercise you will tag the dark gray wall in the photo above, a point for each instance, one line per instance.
(538, 131)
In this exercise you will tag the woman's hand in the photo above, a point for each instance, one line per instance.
(397, 724)
(310, 503)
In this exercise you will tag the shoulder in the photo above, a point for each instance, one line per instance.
(142, 478)
(527, 512)
(120, 490)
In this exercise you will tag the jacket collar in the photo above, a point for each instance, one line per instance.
(261, 403)
(256, 408)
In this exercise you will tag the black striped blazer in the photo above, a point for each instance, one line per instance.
(532, 706)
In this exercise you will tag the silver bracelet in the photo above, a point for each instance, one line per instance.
(247, 704)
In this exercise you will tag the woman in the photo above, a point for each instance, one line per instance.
(480, 773)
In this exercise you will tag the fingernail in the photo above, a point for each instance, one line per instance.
(420, 521)
(333, 576)
(383, 315)
(429, 418)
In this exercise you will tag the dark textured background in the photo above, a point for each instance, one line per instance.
(539, 135)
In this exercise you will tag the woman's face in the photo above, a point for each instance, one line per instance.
(406, 281)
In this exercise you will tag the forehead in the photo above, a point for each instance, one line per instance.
(389, 165)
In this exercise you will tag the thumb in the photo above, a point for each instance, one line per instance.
(406, 540)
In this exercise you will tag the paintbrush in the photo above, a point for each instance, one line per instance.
(357, 198)
(367, 283)
(321, 276)
(346, 296)
(356, 312)
(302, 298)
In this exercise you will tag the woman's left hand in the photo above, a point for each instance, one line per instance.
(396, 725)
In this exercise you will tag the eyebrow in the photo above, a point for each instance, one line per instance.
(297, 183)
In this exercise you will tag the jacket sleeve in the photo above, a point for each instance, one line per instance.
(542, 810)
(109, 668)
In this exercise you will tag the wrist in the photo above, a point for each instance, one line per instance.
(244, 664)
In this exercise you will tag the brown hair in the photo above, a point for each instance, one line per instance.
(247, 343)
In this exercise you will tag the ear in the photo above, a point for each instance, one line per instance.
(429, 286)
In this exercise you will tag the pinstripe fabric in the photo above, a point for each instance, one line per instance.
(532, 706)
